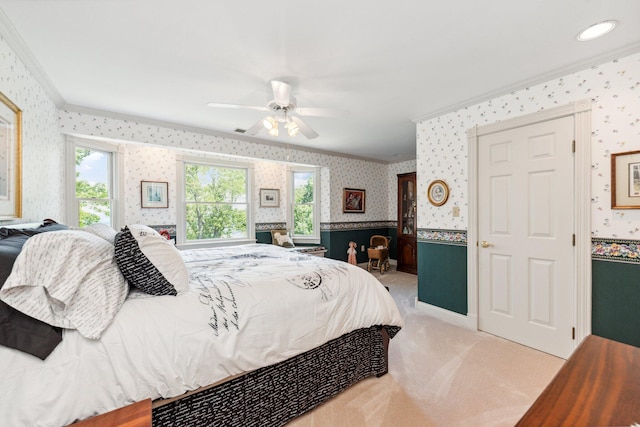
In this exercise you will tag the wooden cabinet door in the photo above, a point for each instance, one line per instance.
(407, 226)
(407, 255)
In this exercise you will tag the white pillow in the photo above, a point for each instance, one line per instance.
(68, 279)
(102, 230)
(150, 262)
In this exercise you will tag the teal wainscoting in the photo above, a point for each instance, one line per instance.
(263, 230)
(335, 237)
(263, 237)
(616, 291)
(442, 269)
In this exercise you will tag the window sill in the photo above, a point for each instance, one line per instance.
(214, 243)
(306, 241)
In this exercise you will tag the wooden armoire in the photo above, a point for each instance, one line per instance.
(407, 244)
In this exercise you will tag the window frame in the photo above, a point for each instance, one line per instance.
(181, 225)
(315, 237)
(116, 184)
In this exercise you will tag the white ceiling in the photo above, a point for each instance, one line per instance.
(387, 63)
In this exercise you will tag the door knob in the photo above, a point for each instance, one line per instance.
(485, 244)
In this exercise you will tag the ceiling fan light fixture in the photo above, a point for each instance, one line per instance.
(292, 129)
(269, 123)
(274, 129)
(596, 30)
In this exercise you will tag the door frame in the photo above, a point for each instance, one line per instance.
(581, 111)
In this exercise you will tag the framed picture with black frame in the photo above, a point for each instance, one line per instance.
(353, 200)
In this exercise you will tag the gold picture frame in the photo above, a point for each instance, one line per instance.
(438, 192)
(10, 159)
(625, 180)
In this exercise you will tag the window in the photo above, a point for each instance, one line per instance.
(93, 185)
(304, 205)
(216, 201)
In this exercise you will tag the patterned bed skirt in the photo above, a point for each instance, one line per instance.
(274, 395)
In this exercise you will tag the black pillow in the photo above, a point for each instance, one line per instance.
(24, 333)
(136, 267)
(17, 330)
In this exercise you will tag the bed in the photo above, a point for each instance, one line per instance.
(242, 335)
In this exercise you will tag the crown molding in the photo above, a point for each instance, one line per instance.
(539, 79)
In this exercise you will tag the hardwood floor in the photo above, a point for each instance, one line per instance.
(440, 375)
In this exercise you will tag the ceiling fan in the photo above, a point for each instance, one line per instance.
(284, 112)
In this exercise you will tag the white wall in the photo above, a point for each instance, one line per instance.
(42, 143)
(614, 88)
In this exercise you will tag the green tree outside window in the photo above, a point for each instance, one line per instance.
(216, 202)
(93, 197)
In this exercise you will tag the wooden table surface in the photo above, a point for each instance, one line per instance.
(599, 385)
(135, 415)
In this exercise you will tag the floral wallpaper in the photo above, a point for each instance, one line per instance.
(153, 163)
(613, 87)
(337, 172)
(145, 163)
(42, 143)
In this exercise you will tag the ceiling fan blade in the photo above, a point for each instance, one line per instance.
(238, 106)
(281, 92)
(305, 129)
(255, 129)
(322, 112)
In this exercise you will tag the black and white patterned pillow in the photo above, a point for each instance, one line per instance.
(149, 262)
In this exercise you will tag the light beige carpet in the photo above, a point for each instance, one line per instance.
(440, 375)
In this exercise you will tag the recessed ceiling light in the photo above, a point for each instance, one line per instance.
(596, 30)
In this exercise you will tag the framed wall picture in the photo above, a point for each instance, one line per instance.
(10, 159)
(625, 180)
(353, 200)
(154, 194)
(269, 198)
(438, 192)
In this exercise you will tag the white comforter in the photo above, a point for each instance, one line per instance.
(247, 307)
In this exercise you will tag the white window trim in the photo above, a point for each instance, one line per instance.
(116, 182)
(315, 238)
(181, 232)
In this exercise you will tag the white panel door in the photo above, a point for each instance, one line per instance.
(525, 231)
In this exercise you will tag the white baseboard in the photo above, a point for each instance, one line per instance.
(468, 322)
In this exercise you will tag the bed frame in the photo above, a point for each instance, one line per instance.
(275, 394)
